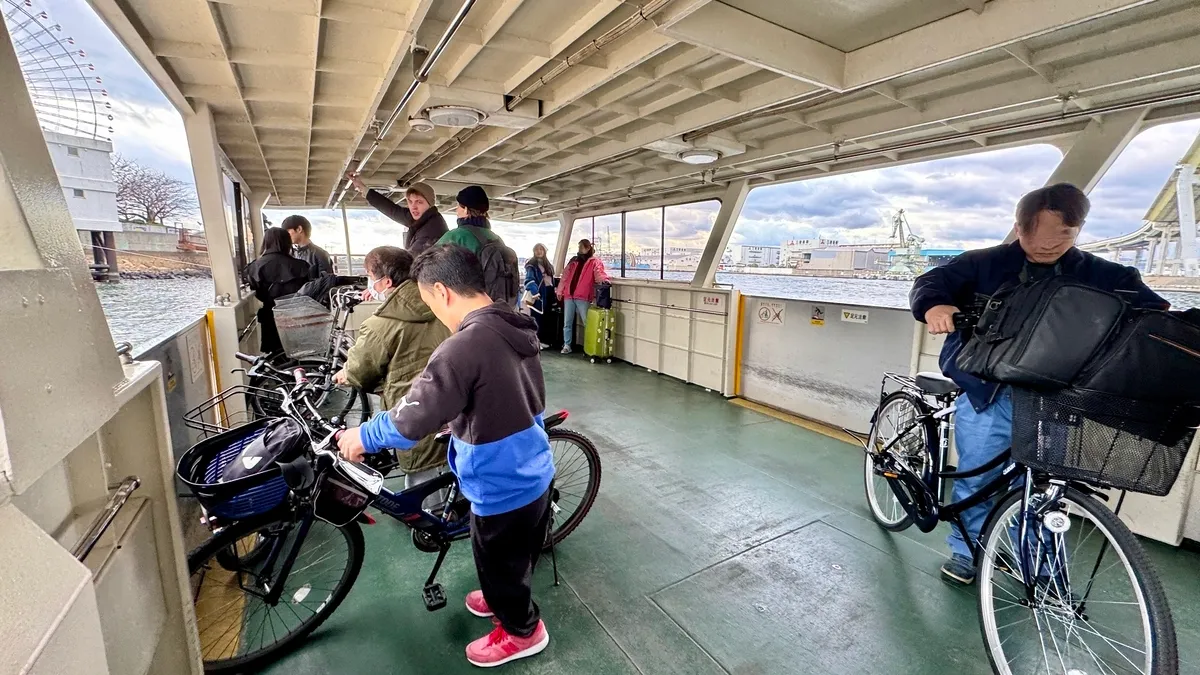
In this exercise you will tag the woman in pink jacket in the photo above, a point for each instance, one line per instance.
(577, 289)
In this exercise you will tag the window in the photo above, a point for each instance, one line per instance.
(74, 152)
(643, 244)
(686, 230)
(79, 193)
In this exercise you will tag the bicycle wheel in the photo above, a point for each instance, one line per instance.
(1093, 602)
(576, 481)
(897, 413)
(238, 629)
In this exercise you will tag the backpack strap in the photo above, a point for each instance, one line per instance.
(478, 237)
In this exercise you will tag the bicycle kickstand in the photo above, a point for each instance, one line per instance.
(553, 560)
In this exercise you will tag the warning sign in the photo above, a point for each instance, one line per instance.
(854, 315)
(818, 315)
(770, 312)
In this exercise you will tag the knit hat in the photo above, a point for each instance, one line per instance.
(422, 189)
(473, 197)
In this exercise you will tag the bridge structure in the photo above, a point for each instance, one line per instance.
(1166, 242)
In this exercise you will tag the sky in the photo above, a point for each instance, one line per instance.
(962, 202)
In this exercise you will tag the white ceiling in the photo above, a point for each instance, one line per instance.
(785, 89)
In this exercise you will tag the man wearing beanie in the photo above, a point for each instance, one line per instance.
(419, 213)
(473, 225)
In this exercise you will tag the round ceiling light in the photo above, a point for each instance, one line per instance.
(525, 199)
(699, 156)
(455, 116)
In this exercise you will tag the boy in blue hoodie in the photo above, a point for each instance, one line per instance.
(486, 381)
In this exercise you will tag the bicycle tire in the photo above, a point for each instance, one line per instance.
(556, 535)
(931, 450)
(219, 544)
(1162, 626)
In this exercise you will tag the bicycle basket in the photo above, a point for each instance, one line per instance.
(231, 408)
(1101, 439)
(304, 326)
(201, 466)
(344, 492)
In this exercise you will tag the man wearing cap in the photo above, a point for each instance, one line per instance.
(419, 214)
(473, 225)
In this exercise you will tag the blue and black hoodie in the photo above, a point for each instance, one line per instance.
(486, 381)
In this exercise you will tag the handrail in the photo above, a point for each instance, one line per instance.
(125, 352)
(684, 309)
(104, 519)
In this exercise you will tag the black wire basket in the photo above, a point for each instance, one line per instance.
(201, 468)
(1103, 440)
(232, 408)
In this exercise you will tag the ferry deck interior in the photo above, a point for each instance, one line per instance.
(731, 534)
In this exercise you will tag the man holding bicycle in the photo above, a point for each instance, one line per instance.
(486, 381)
(1048, 221)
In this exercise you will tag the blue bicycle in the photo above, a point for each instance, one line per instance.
(288, 545)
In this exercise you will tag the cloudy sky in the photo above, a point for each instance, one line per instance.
(953, 203)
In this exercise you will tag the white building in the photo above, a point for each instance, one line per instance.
(756, 256)
(84, 168)
(793, 249)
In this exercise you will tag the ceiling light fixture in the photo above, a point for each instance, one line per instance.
(455, 116)
(525, 199)
(699, 156)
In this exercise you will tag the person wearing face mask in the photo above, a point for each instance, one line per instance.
(391, 350)
(539, 281)
(577, 288)
(1048, 221)
(418, 213)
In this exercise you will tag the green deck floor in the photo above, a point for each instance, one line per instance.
(723, 541)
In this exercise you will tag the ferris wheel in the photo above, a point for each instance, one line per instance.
(66, 92)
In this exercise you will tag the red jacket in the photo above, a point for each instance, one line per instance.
(585, 289)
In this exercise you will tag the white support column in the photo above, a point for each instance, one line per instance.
(1151, 252)
(1187, 217)
(1162, 253)
(731, 207)
(1094, 150)
(210, 192)
(346, 234)
(256, 222)
(566, 222)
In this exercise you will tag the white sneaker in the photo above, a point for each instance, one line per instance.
(544, 345)
(566, 349)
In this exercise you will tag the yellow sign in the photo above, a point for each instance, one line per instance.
(818, 315)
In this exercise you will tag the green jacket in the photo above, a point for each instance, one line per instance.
(392, 348)
(463, 237)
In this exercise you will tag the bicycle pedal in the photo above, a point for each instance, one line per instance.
(434, 596)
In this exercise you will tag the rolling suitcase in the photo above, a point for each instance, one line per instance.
(598, 333)
(550, 325)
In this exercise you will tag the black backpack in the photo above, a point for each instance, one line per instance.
(500, 274)
(1041, 334)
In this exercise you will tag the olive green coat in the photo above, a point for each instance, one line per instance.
(391, 350)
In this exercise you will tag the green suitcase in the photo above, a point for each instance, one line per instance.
(598, 333)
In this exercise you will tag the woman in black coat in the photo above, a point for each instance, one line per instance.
(273, 275)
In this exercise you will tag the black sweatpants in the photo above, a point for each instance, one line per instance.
(507, 547)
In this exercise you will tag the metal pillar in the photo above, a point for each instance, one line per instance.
(714, 247)
(110, 256)
(566, 221)
(1094, 150)
(210, 192)
(346, 233)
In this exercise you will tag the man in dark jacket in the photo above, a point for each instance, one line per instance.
(1048, 221)
(486, 381)
(418, 213)
(303, 248)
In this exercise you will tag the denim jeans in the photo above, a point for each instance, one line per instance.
(570, 309)
(979, 437)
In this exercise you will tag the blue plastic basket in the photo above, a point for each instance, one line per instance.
(202, 465)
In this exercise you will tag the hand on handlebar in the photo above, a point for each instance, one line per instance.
(940, 319)
(350, 445)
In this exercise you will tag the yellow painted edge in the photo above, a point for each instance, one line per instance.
(216, 363)
(737, 347)
(815, 427)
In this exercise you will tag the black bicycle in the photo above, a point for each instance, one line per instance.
(288, 544)
(1065, 587)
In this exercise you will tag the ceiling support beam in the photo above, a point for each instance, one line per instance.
(739, 35)
(718, 238)
(132, 35)
(316, 57)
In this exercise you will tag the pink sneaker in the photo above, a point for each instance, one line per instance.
(498, 647)
(477, 605)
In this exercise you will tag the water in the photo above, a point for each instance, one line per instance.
(143, 311)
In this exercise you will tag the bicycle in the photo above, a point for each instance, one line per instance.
(288, 543)
(1041, 570)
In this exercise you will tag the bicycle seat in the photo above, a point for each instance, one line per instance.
(936, 384)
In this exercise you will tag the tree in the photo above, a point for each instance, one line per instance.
(147, 195)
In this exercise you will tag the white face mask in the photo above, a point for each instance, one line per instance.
(375, 295)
